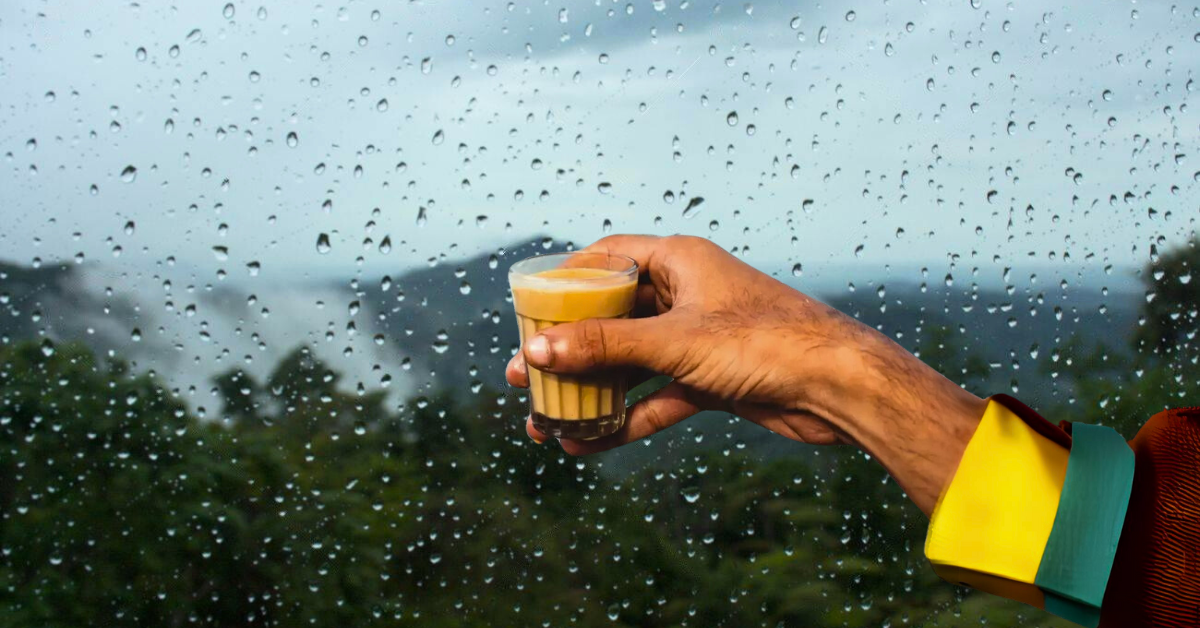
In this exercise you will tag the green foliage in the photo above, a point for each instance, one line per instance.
(302, 503)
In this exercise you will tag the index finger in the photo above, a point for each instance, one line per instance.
(641, 248)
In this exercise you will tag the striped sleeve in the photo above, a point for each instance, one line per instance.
(1033, 514)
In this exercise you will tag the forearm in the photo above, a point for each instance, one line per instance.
(896, 408)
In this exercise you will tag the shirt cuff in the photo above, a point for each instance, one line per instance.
(1033, 514)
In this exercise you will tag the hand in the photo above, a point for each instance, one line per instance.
(736, 340)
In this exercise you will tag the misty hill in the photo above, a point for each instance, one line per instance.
(450, 324)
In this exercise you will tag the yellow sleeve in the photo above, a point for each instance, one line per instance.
(991, 525)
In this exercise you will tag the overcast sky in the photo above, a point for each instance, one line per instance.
(921, 132)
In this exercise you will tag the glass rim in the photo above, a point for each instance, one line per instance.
(630, 271)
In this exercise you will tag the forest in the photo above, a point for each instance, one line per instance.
(303, 503)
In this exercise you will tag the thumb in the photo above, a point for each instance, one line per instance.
(600, 343)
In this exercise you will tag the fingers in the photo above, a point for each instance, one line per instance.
(651, 415)
(516, 372)
(639, 247)
(649, 343)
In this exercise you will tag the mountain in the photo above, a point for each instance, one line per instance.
(451, 325)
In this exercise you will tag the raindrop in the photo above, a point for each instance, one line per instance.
(382, 105)
(173, 51)
(194, 36)
(888, 49)
(605, 187)
(732, 118)
(693, 206)
(797, 270)
(850, 15)
(668, 197)
(129, 174)
(228, 11)
(292, 139)
(323, 245)
(140, 54)
(607, 226)
(438, 137)
(823, 35)
(795, 23)
(426, 65)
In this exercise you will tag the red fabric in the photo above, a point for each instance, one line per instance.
(1035, 420)
(1155, 579)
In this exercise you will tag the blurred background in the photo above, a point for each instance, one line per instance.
(254, 310)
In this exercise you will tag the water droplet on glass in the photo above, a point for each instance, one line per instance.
(382, 105)
(129, 174)
(850, 15)
(693, 206)
(140, 54)
(426, 65)
(823, 35)
(797, 270)
(732, 118)
(292, 139)
(604, 187)
(228, 11)
(323, 245)
(438, 137)
(668, 197)
(607, 226)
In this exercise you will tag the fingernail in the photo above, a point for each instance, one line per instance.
(537, 351)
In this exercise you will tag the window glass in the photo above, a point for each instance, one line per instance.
(254, 312)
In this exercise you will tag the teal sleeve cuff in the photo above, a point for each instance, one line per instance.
(1079, 554)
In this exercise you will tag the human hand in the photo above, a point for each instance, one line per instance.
(734, 339)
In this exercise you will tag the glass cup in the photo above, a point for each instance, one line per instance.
(565, 287)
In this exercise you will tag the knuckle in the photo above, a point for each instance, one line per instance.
(592, 342)
(689, 242)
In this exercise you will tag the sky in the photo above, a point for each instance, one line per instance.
(267, 144)
(882, 125)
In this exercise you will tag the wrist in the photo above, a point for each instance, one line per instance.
(913, 420)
